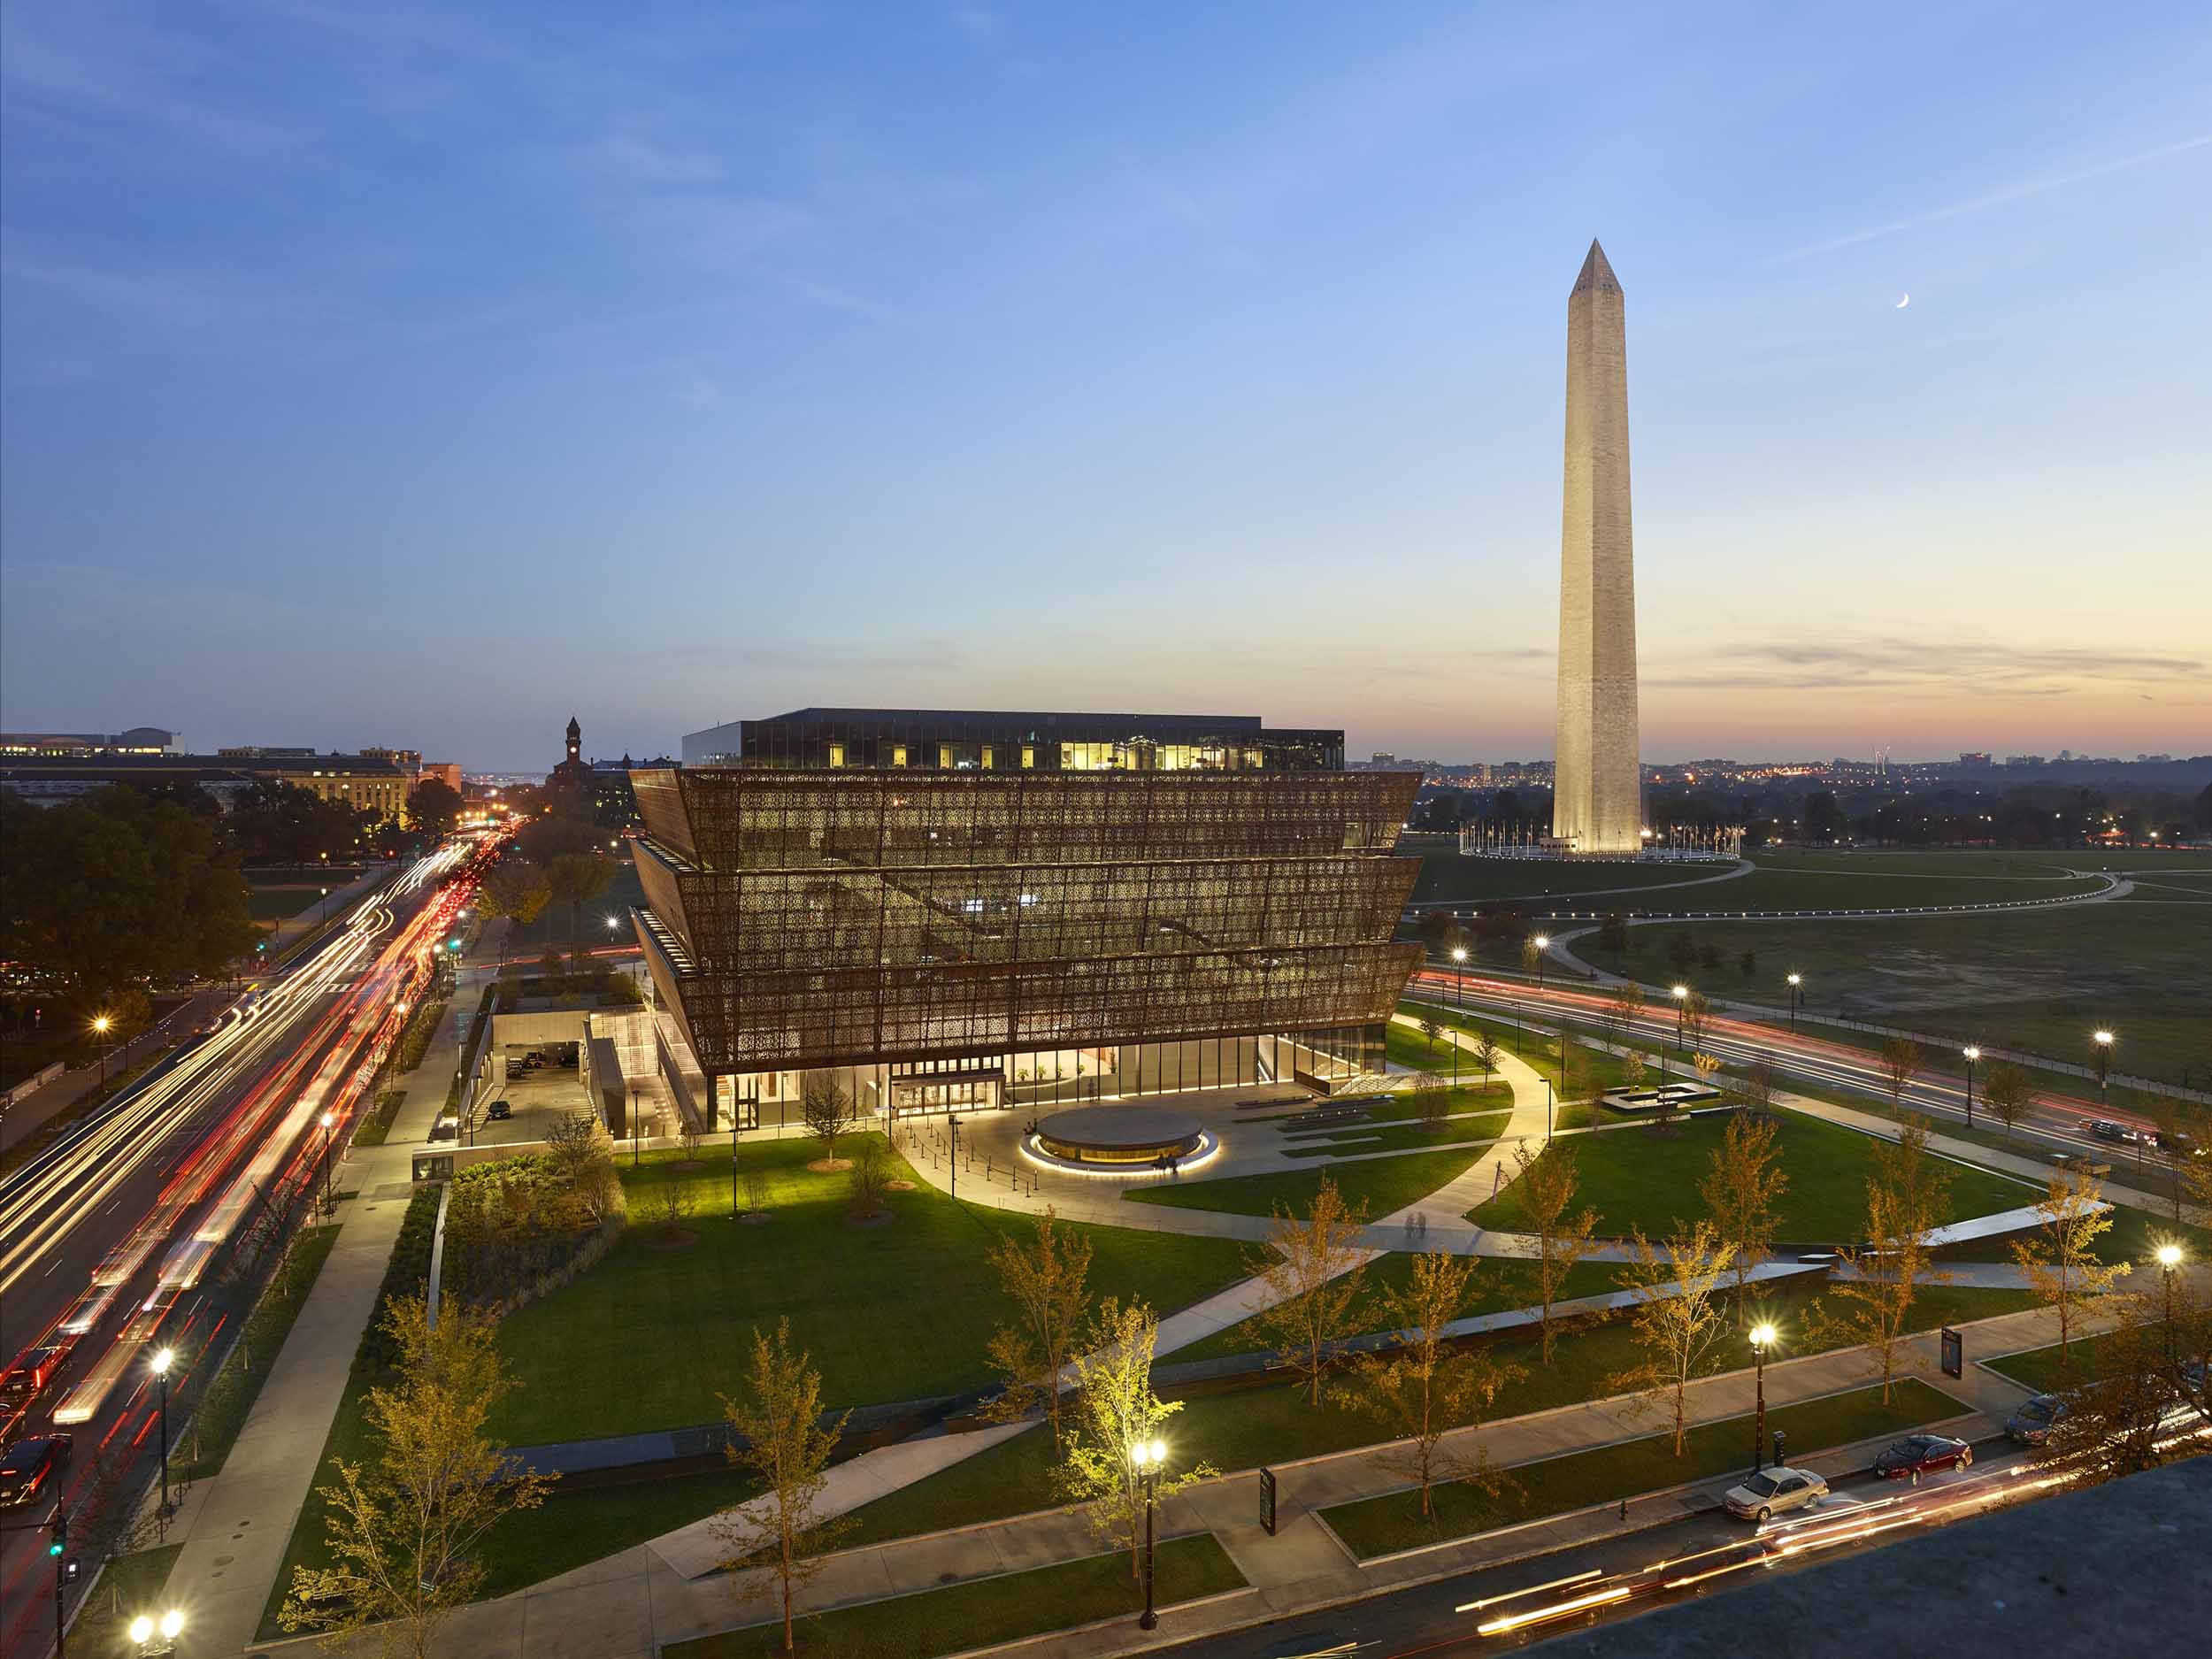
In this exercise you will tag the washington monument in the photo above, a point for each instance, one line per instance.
(1597, 794)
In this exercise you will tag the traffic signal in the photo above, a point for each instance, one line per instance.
(57, 1540)
(71, 1569)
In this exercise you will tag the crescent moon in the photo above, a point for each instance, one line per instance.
(1902, 303)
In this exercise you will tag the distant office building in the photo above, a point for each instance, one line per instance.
(963, 909)
(373, 786)
(1974, 761)
(407, 760)
(139, 739)
(2025, 760)
(446, 772)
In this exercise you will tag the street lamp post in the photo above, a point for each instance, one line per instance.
(1678, 993)
(1459, 967)
(1761, 1335)
(101, 1025)
(952, 1126)
(330, 1120)
(1972, 1053)
(2103, 1040)
(162, 1362)
(144, 1630)
(1147, 1458)
(2168, 1259)
(1797, 982)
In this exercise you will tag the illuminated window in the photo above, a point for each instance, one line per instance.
(1029, 757)
(944, 755)
(989, 756)
(837, 754)
(898, 754)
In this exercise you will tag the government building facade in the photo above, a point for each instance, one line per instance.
(963, 910)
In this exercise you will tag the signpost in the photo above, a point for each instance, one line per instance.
(1953, 1353)
(1267, 1501)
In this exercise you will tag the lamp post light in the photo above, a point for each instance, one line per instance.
(144, 1632)
(2103, 1040)
(1147, 1457)
(2169, 1258)
(1797, 981)
(101, 1027)
(1678, 993)
(166, 1358)
(1972, 1053)
(1459, 967)
(1761, 1337)
(330, 1122)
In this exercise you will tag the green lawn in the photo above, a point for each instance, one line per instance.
(903, 1311)
(1538, 1049)
(223, 1409)
(1357, 1142)
(987, 1611)
(2039, 981)
(2046, 1370)
(1383, 1184)
(1801, 887)
(1244, 1428)
(1447, 877)
(1638, 1177)
(1378, 1526)
(131, 1586)
(1496, 1285)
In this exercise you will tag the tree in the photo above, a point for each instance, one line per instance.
(1697, 1013)
(2124, 1421)
(1047, 1277)
(1422, 1388)
(582, 1154)
(1431, 1031)
(672, 1204)
(1487, 1054)
(575, 879)
(434, 806)
(1117, 1412)
(2179, 1135)
(1901, 1059)
(2006, 1092)
(515, 889)
(1624, 1008)
(1613, 936)
(2060, 1258)
(1754, 1090)
(689, 1132)
(1739, 1190)
(828, 1113)
(1633, 1065)
(777, 1431)
(1546, 1182)
(406, 1530)
(1677, 1319)
(1748, 961)
(1313, 1269)
(1430, 1098)
(756, 1181)
(1871, 1302)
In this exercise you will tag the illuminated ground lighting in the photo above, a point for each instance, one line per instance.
(1207, 1148)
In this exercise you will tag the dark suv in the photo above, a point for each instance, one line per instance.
(27, 1466)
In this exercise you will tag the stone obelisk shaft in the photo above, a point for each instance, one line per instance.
(1598, 796)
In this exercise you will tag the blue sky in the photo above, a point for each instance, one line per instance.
(420, 375)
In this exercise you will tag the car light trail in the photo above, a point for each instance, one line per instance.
(1565, 1609)
(1533, 1589)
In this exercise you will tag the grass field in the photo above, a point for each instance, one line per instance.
(1447, 878)
(901, 1311)
(1246, 1427)
(281, 903)
(222, 1409)
(1795, 888)
(1636, 1178)
(2046, 1371)
(1378, 1527)
(986, 1611)
(1383, 1184)
(2040, 981)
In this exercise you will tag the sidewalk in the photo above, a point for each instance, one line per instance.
(234, 1528)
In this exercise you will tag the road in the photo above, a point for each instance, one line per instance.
(2052, 1118)
(1501, 1609)
(112, 1239)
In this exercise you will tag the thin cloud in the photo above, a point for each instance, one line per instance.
(1994, 198)
(1955, 668)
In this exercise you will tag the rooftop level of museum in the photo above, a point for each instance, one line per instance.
(960, 739)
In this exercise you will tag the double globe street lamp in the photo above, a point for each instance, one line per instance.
(1762, 1335)
(155, 1637)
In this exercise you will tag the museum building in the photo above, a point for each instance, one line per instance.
(950, 909)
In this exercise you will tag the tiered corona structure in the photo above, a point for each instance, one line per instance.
(1597, 783)
(964, 936)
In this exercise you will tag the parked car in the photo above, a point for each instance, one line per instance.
(1774, 1490)
(499, 1110)
(2105, 1129)
(2031, 1423)
(27, 1466)
(1921, 1454)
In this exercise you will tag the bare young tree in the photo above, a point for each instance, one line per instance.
(1625, 1007)
(672, 1205)
(778, 1432)
(2060, 1258)
(871, 1179)
(1487, 1054)
(1678, 1320)
(1754, 1090)
(1545, 1186)
(828, 1113)
(1313, 1268)
(1431, 1031)
(755, 1180)
(406, 1530)
(690, 1133)
(1423, 1388)
(1430, 1099)
(2007, 1093)
(1047, 1276)
(1900, 1061)
(1869, 1304)
(1116, 1413)
(1697, 1014)
(1741, 1189)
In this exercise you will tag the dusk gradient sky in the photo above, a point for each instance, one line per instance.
(420, 375)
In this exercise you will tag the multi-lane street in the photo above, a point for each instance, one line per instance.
(111, 1239)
